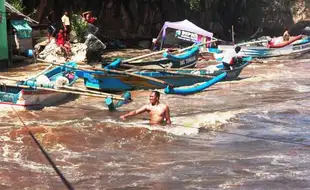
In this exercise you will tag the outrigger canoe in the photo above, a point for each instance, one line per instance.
(146, 79)
(186, 59)
(50, 88)
(298, 44)
(26, 95)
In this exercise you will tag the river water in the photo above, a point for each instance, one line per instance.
(250, 133)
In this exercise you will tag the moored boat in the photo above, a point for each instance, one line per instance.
(298, 44)
(27, 95)
(186, 59)
(146, 79)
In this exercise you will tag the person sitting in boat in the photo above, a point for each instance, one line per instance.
(230, 56)
(70, 75)
(286, 36)
(159, 113)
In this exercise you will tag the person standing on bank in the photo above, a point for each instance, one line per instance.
(159, 113)
(51, 25)
(66, 24)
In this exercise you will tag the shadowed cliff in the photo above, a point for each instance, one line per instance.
(142, 19)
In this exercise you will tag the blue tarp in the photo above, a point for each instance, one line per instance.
(22, 28)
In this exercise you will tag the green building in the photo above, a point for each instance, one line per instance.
(4, 52)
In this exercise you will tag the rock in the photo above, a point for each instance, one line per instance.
(91, 50)
(95, 48)
(52, 52)
(91, 29)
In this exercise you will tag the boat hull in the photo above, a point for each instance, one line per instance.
(29, 98)
(118, 82)
(188, 59)
(300, 46)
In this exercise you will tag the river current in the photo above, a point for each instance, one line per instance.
(251, 133)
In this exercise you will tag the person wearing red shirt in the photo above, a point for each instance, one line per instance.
(63, 43)
(88, 17)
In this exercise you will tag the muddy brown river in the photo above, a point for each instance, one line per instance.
(251, 133)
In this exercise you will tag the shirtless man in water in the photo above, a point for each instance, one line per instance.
(159, 113)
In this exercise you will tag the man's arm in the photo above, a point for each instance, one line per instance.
(167, 116)
(132, 113)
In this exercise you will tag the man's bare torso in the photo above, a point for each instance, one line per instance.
(157, 113)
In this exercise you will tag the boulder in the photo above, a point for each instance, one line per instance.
(52, 52)
(95, 48)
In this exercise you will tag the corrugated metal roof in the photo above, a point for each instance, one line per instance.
(12, 9)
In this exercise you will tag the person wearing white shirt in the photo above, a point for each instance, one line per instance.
(66, 24)
(228, 59)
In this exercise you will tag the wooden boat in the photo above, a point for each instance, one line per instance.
(26, 95)
(187, 59)
(298, 44)
(146, 79)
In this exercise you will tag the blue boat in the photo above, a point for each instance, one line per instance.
(187, 59)
(109, 81)
(298, 45)
(26, 95)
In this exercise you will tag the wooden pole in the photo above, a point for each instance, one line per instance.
(86, 92)
(40, 73)
(89, 91)
(173, 71)
(112, 71)
(8, 78)
(254, 42)
(186, 74)
(67, 91)
(144, 56)
(178, 51)
(162, 51)
(232, 34)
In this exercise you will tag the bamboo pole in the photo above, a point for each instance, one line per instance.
(8, 78)
(86, 92)
(129, 73)
(248, 43)
(173, 71)
(206, 76)
(40, 73)
(144, 56)
(280, 60)
(162, 51)
(89, 91)
(67, 91)
(112, 71)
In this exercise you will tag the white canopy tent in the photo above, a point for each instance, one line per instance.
(181, 33)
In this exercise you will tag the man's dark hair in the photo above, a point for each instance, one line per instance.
(157, 94)
(237, 49)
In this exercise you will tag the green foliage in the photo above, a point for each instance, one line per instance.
(18, 4)
(79, 26)
(193, 4)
